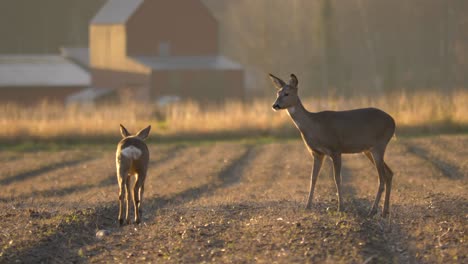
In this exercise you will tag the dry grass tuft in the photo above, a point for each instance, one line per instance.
(418, 112)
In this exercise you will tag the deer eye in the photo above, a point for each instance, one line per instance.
(286, 94)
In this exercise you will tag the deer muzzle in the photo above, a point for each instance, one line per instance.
(276, 106)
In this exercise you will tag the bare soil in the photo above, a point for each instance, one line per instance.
(235, 202)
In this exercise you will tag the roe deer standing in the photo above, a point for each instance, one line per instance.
(333, 133)
(132, 158)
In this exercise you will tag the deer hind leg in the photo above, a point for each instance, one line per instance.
(380, 165)
(138, 190)
(121, 200)
(369, 156)
(318, 161)
(388, 171)
(140, 196)
(388, 189)
(127, 200)
(388, 184)
(122, 179)
(337, 174)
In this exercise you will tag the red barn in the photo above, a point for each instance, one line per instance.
(148, 49)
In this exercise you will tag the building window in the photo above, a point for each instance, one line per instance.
(164, 49)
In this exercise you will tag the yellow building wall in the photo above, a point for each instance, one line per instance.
(108, 48)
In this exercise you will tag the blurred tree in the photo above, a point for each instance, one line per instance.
(31, 26)
(331, 64)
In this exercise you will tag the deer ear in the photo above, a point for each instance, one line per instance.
(124, 132)
(293, 82)
(277, 81)
(142, 134)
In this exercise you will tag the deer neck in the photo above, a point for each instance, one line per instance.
(299, 115)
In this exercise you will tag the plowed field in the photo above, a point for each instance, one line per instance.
(235, 202)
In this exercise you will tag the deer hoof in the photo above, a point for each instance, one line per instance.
(121, 222)
(385, 214)
(372, 212)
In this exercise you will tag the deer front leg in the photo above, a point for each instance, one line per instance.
(318, 161)
(336, 157)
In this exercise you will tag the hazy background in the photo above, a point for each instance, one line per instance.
(349, 47)
(409, 58)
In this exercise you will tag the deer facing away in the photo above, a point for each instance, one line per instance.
(132, 158)
(332, 133)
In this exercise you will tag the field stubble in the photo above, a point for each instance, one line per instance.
(236, 203)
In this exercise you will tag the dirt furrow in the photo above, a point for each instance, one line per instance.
(270, 172)
(174, 174)
(205, 169)
(76, 182)
(449, 170)
(419, 174)
(32, 165)
(9, 156)
(453, 144)
(39, 180)
(447, 157)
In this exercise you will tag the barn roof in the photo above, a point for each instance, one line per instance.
(79, 55)
(41, 70)
(188, 62)
(88, 95)
(116, 11)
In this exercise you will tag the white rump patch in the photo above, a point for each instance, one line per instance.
(131, 152)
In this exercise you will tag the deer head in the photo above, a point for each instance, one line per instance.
(287, 92)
